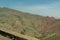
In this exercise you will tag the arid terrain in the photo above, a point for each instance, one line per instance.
(40, 27)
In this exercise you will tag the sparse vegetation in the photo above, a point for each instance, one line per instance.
(28, 24)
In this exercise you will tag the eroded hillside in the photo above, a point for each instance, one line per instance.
(28, 24)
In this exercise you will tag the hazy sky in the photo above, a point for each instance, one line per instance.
(40, 7)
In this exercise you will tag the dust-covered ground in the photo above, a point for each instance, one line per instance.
(4, 38)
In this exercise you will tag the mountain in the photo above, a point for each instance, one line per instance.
(28, 24)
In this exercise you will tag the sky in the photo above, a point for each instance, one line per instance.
(40, 7)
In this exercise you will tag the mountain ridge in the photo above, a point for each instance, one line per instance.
(28, 24)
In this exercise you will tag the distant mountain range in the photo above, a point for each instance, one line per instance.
(29, 24)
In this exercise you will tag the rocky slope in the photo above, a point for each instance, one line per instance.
(28, 24)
